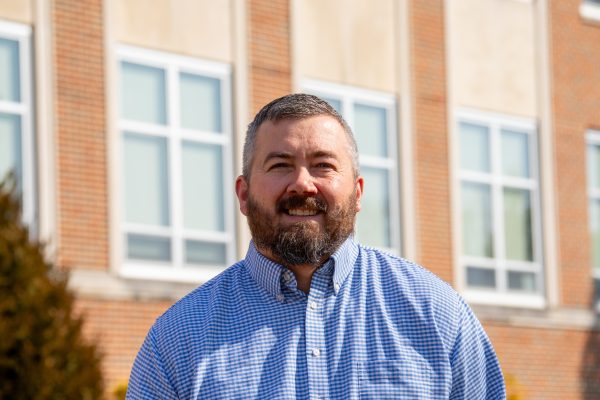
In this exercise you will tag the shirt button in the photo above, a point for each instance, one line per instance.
(336, 287)
(316, 352)
(312, 305)
(280, 297)
(287, 276)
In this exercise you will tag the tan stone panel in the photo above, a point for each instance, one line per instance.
(492, 48)
(17, 11)
(200, 28)
(352, 42)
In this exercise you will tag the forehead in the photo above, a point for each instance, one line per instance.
(322, 132)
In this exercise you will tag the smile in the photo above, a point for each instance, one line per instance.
(301, 212)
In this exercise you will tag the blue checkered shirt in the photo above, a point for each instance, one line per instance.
(373, 326)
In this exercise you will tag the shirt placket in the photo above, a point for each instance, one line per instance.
(315, 337)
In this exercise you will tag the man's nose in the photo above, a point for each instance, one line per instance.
(302, 183)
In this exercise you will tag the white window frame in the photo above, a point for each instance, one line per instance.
(177, 270)
(593, 139)
(501, 295)
(590, 11)
(348, 95)
(24, 109)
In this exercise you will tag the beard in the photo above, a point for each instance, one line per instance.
(301, 243)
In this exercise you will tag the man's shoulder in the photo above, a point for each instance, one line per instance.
(193, 307)
(412, 278)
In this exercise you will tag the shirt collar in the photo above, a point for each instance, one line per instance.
(267, 273)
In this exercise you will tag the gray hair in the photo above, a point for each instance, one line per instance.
(294, 106)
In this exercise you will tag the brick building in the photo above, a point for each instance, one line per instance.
(478, 124)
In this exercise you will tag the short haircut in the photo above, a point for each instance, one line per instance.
(294, 107)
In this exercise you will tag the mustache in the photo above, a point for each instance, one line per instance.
(308, 203)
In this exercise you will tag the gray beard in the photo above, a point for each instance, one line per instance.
(301, 243)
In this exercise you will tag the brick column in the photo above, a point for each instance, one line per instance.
(269, 51)
(575, 58)
(81, 133)
(431, 137)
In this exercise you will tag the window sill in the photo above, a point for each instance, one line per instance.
(590, 12)
(516, 300)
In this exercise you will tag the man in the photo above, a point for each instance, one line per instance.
(309, 313)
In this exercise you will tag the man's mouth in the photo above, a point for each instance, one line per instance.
(302, 212)
(299, 206)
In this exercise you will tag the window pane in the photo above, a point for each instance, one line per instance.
(146, 182)
(481, 277)
(517, 224)
(202, 185)
(522, 281)
(204, 253)
(10, 146)
(334, 103)
(373, 226)
(593, 163)
(515, 154)
(477, 220)
(200, 103)
(10, 89)
(595, 231)
(370, 128)
(474, 147)
(145, 247)
(143, 93)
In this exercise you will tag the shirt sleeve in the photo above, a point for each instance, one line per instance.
(476, 371)
(149, 379)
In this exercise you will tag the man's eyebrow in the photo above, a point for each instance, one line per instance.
(277, 154)
(323, 154)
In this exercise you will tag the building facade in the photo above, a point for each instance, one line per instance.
(478, 125)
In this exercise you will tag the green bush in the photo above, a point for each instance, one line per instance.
(43, 354)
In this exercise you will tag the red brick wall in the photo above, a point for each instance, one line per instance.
(269, 51)
(431, 138)
(120, 328)
(547, 364)
(80, 133)
(575, 57)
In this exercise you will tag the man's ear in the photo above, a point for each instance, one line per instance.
(241, 190)
(360, 185)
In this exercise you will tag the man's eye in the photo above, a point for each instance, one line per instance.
(279, 166)
(324, 165)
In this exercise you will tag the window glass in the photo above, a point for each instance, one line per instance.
(474, 148)
(373, 225)
(200, 102)
(522, 281)
(202, 185)
(9, 70)
(517, 224)
(203, 253)
(481, 277)
(515, 150)
(143, 91)
(370, 129)
(146, 183)
(10, 146)
(593, 163)
(149, 248)
(595, 232)
(477, 220)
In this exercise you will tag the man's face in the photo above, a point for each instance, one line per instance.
(302, 196)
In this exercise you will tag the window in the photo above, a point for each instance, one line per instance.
(371, 115)
(500, 211)
(593, 178)
(590, 10)
(16, 115)
(175, 134)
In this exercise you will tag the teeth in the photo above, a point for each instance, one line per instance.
(302, 212)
